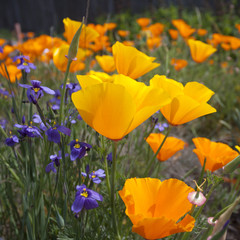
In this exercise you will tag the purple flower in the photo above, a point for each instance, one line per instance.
(78, 149)
(37, 119)
(1, 49)
(96, 175)
(23, 65)
(11, 141)
(3, 123)
(161, 127)
(85, 198)
(35, 91)
(54, 135)
(56, 99)
(55, 162)
(30, 131)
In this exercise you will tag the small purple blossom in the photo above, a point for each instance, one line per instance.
(54, 135)
(78, 149)
(35, 91)
(56, 100)
(11, 141)
(85, 198)
(24, 65)
(29, 131)
(1, 49)
(96, 175)
(37, 119)
(55, 162)
(3, 123)
(161, 126)
(109, 157)
(72, 87)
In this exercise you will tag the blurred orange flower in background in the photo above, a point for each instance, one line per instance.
(202, 32)
(179, 63)
(123, 33)
(154, 42)
(188, 103)
(184, 29)
(173, 33)
(156, 208)
(13, 71)
(143, 22)
(217, 154)
(156, 29)
(169, 148)
(200, 51)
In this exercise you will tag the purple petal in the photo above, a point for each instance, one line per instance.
(96, 180)
(74, 154)
(95, 195)
(53, 135)
(78, 204)
(84, 174)
(48, 90)
(18, 125)
(50, 167)
(81, 187)
(64, 130)
(35, 83)
(24, 85)
(90, 203)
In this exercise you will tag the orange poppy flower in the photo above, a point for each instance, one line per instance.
(200, 51)
(188, 103)
(154, 42)
(128, 43)
(132, 62)
(179, 63)
(202, 32)
(169, 148)
(155, 208)
(217, 154)
(234, 42)
(143, 22)
(184, 29)
(2, 41)
(238, 26)
(226, 46)
(123, 33)
(110, 26)
(156, 29)
(106, 62)
(173, 33)
(13, 71)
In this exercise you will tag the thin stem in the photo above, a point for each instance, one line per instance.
(155, 155)
(114, 219)
(64, 91)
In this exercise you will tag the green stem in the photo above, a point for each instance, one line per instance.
(114, 219)
(64, 91)
(155, 155)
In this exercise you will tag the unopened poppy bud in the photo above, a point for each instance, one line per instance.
(73, 49)
(196, 198)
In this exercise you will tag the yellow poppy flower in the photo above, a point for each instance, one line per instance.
(188, 103)
(217, 154)
(106, 62)
(60, 60)
(169, 148)
(155, 208)
(131, 62)
(115, 109)
(87, 36)
(200, 51)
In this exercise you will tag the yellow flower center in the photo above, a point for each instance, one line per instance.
(93, 176)
(25, 64)
(36, 89)
(84, 193)
(77, 145)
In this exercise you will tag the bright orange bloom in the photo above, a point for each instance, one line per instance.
(131, 62)
(156, 29)
(7, 49)
(123, 33)
(179, 63)
(217, 154)
(224, 64)
(200, 51)
(60, 60)
(143, 22)
(202, 32)
(173, 33)
(2, 41)
(226, 46)
(154, 42)
(13, 71)
(188, 103)
(169, 148)
(184, 29)
(155, 208)
(87, 36)
(110, 26)
(106, 62)
(116, 108)
(234, 42)
(128, 43)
